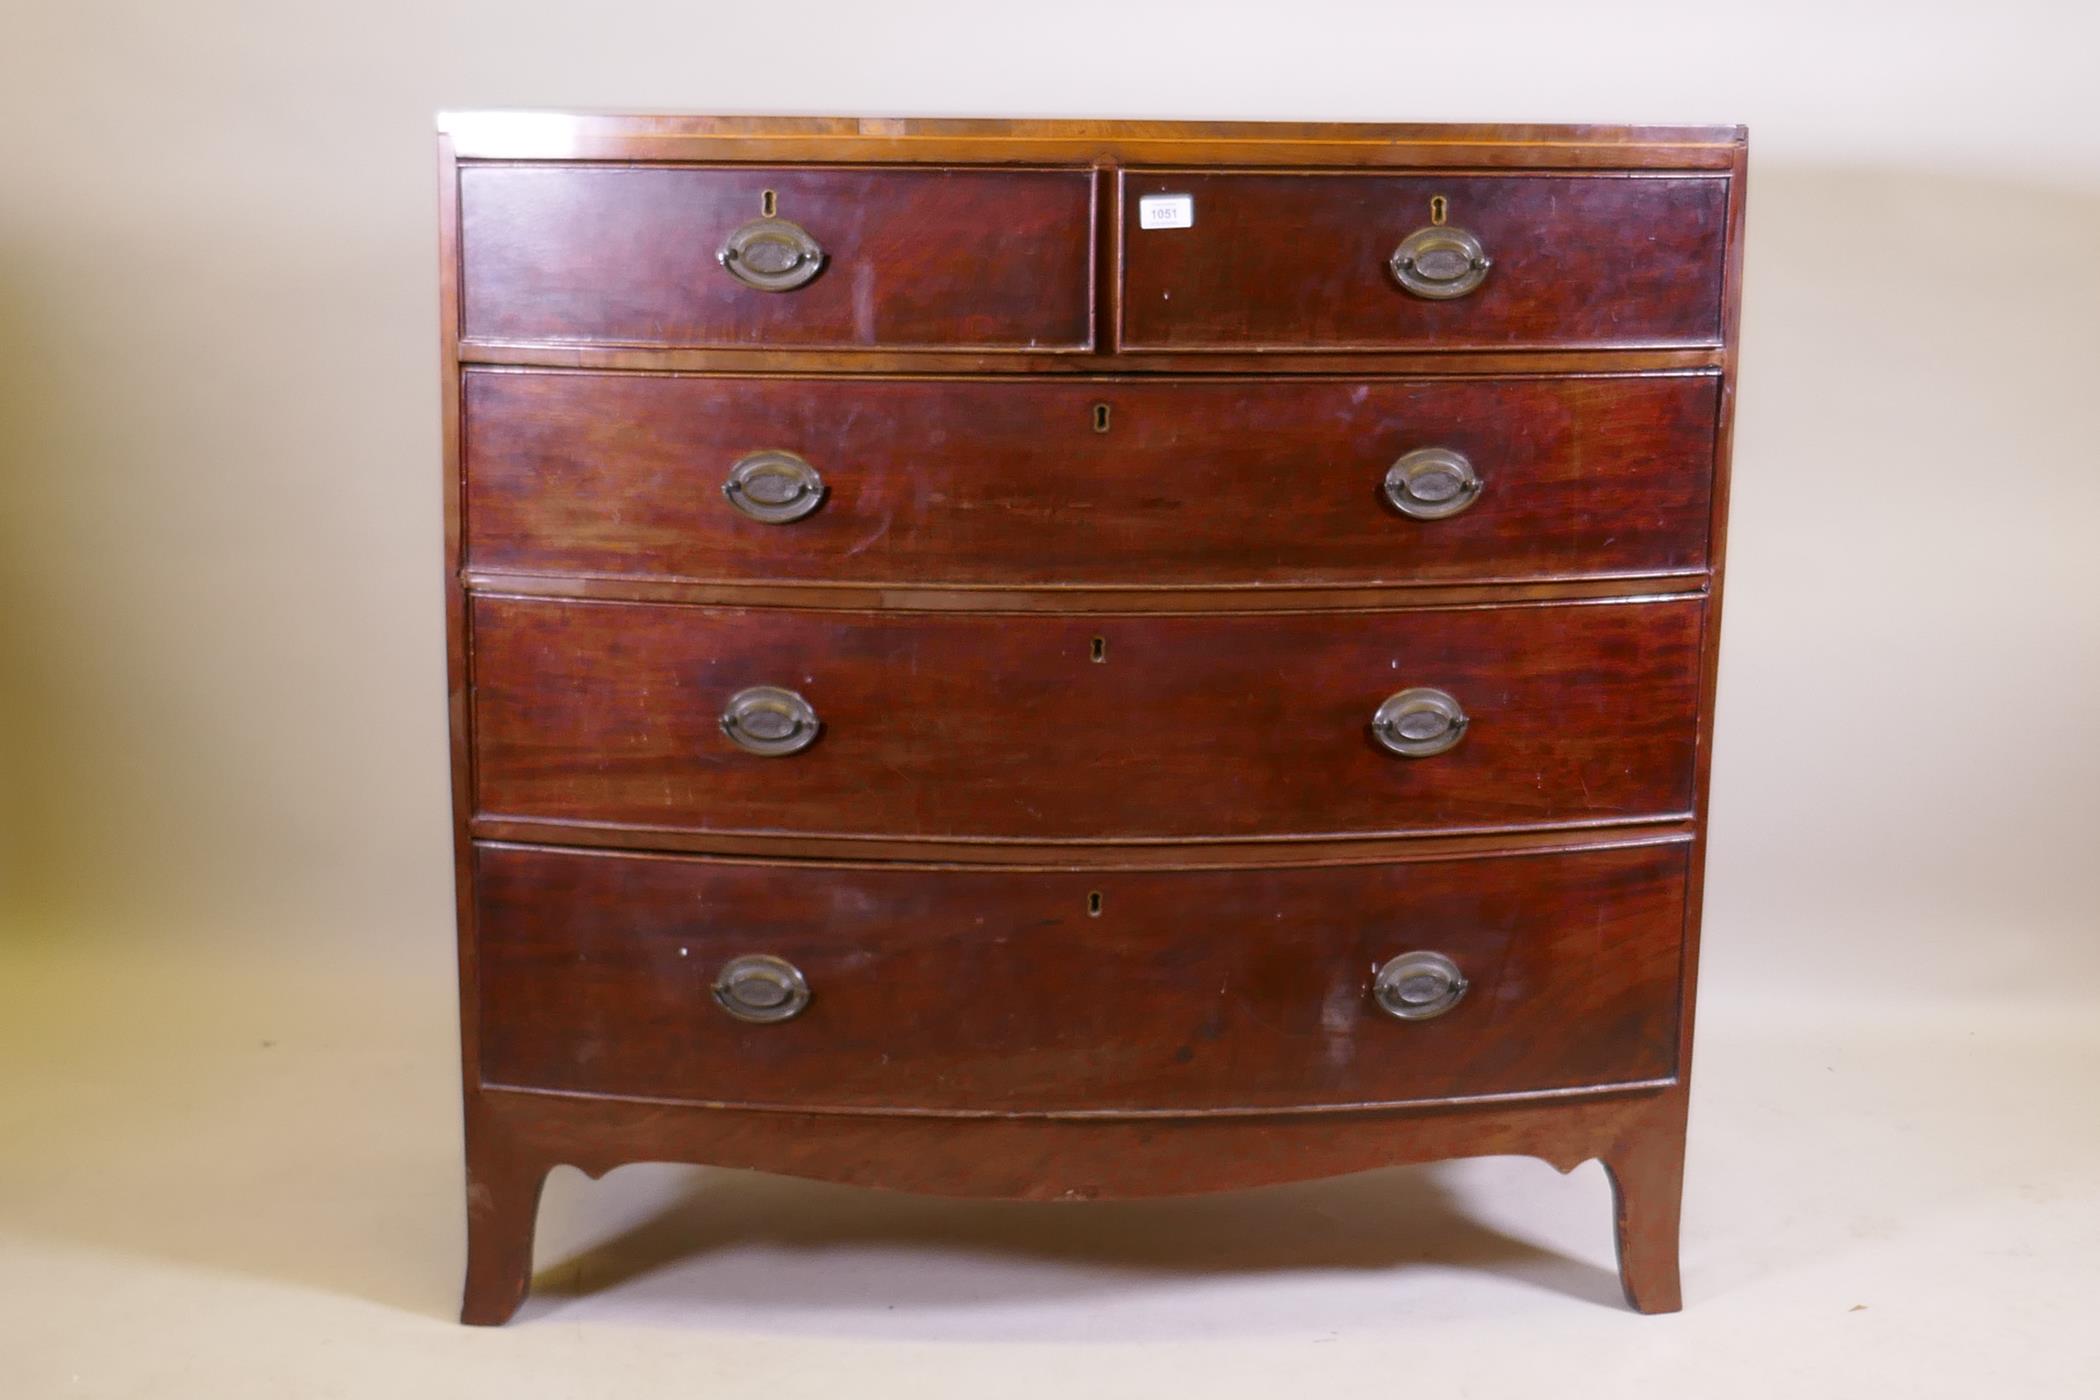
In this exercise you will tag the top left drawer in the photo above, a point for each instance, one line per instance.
(921, 258)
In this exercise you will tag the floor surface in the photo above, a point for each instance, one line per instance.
(243, 1181)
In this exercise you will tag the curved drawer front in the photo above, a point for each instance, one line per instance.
(1163, 483)
(1016, 991)
(1083, 728)
(1305, 261)
(894, 258)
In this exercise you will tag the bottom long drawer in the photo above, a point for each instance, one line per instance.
(871, 987)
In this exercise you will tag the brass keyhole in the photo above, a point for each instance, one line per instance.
(1098, 652)
(1437, 209)
(1093, 904)
(1100, 417)
(769, 204)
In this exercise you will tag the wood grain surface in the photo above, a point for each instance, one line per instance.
(952, 258)
(1191, 483)
(1030, 991)
(1297, 261)
(1007, 727)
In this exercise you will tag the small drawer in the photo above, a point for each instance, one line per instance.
(1102, 728)
(1018, 991)
(792, 258)
(1176, 483)
(1339, 261)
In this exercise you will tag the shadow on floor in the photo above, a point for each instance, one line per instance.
(801, 1247)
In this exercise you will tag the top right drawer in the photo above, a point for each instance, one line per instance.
(1331, 260)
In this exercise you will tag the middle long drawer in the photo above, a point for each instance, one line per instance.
(1104, 728)
(1189, 483)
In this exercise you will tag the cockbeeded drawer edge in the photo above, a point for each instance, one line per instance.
(900, 987)
(522, 218)
(1511, 223)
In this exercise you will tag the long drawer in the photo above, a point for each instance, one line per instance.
(870, 987)
(1118, 482)
(1106, 728)
(708, 256)
(1307, 261)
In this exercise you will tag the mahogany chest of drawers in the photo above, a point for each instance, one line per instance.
(1067, 660)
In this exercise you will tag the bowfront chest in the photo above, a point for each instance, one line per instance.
(1069, 660)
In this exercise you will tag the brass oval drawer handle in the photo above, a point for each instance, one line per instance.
(1440, 262)
(1419, 722)
(770, 721)
(759, 987)
(1432, 483)
(1419, 986)
(773, 255)
(775, 487)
